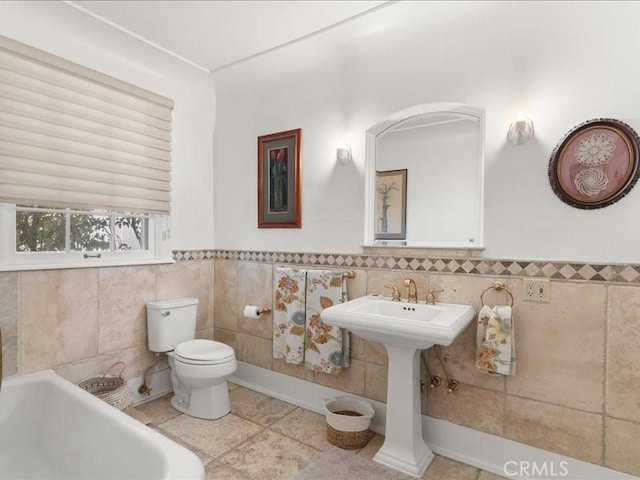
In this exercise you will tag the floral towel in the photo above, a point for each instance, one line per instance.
(496, 353)
(326, 347)
(289, 320)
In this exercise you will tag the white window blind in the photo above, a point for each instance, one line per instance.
(73, 137)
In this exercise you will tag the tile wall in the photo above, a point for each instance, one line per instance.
(576, 389)
(81, 321)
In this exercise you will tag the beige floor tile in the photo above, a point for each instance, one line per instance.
(444, 469)
(372, 447)
(257, 407)
(159, 410)
(204, 458)
(213, 437)
(622, 451)
(218, 471)
(307, 427)
(232, 386)
(270, 455)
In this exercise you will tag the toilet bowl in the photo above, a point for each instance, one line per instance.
(200, 383)
(199, 368)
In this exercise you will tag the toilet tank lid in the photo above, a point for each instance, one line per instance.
(172, 303)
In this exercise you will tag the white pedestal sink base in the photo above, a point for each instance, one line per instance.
(404, 448)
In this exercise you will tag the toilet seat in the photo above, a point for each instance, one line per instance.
(204, 352)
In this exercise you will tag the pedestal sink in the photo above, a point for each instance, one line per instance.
(404, 329)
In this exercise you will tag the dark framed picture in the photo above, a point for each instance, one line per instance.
(391, 205)
(279, 179)
(595, 164)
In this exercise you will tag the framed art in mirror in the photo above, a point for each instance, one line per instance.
(391, 205)
(279, 180)
(595, 164)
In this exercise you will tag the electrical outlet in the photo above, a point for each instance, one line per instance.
(535, 290)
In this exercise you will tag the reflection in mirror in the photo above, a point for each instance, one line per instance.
(425, 178)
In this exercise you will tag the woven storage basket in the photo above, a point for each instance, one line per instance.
(113, 390)
(348, 421)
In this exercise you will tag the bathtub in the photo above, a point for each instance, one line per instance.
(51, 429)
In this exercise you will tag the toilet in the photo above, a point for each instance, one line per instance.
(199, 368)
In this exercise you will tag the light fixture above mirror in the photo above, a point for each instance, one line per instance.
(437, 150)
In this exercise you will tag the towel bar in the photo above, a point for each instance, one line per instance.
(349, 274)
(497, 286)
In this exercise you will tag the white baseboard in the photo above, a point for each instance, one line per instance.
(159, 382)
(482, 450)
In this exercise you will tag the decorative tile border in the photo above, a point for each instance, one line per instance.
(619, 273)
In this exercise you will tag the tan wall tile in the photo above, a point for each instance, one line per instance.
(560, 347)
(623, 354)
(181, 279)
(460, 356)
(299, 371)
(206, 333)
(225, 336)
(377, 279)
(375, 352)
(225, 301)
(622, 450)
(470, 406)
(58, 317)
(357, 347)
(122, 315)
(9, 321)
(558, 429)
(205, 308)
(375, 382)
(255, 287)
(348, 380)
(254, 350)
(357, 287)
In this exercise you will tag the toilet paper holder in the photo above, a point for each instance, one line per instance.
(265, 310)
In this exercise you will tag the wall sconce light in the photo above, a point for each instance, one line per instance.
(343, 154)
(520, 130)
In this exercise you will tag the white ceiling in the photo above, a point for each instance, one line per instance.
(214, 34)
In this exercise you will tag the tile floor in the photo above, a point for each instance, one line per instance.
(243, 444)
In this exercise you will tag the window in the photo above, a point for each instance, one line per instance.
(63, 237)
(86, 165)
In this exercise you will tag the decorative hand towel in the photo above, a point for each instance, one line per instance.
(289, 314)
(326, 347)
(496, 352)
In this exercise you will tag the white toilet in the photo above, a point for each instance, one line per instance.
(199, 368)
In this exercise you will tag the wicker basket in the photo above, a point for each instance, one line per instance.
(348, 421)
(112, 389)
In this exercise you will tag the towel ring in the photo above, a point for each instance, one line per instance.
(497, 286)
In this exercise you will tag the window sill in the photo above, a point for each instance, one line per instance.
(89, 263)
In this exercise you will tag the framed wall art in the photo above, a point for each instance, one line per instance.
(279, 180)
(391, 205)
(595, 164)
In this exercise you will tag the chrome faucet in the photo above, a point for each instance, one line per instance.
(413, 290)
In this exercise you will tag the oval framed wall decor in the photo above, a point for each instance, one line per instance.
(595, 164)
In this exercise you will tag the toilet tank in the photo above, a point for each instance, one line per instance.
(171, 322)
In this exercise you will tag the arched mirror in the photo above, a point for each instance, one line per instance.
(424, 178)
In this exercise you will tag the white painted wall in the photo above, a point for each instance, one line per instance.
(560, 62)
(62, 30)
